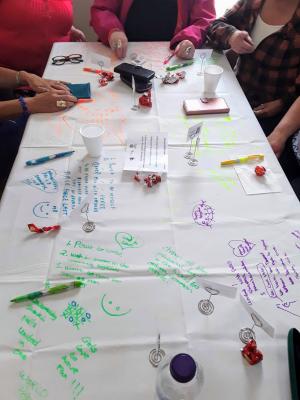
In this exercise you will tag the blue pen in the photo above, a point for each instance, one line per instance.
(42, 160)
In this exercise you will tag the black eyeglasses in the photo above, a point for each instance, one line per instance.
(72, 58)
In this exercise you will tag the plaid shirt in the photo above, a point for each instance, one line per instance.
(272, 71)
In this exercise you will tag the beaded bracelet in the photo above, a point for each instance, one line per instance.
(25, 110)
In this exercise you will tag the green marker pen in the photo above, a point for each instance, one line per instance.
(54, 290)
(177, 66)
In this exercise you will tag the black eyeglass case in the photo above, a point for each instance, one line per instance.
(140, 86)
(141, 74)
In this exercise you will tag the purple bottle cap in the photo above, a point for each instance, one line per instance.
(183, 368)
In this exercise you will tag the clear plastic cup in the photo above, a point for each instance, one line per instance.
(179, 378)
(92, 135)
(212, 75)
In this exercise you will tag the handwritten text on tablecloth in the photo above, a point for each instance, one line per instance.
(272, 275)
(94, 177)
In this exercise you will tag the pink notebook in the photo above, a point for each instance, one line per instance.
(205, 106)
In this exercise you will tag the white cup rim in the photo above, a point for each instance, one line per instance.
(99, 127)
(213, 70)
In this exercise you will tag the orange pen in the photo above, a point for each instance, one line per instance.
(95, 71)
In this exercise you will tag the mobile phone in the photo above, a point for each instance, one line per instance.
(140, 86)
(201, 106)
(140, 73)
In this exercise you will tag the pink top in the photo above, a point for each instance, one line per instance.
(28, 29)
(194, 16)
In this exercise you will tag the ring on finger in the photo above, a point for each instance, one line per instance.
(188, 50)
(61, 104)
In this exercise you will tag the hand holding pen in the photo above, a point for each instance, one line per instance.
(185, 50)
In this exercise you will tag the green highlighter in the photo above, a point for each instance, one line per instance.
(47, 292)
(177, 66)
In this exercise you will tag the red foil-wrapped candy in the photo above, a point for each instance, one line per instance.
(33, 228)
(145, 100)
(251, 353)
(260, 170)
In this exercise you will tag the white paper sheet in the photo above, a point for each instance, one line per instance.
(147, 152)
(254, 184)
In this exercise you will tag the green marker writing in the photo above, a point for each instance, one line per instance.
(53, 290)
(177, 66)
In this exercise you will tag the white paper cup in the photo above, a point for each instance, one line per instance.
(212, 75)
(92, 137)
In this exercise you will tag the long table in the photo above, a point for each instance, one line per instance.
(154, 252)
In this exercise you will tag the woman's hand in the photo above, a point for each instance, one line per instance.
(185, 50)
(277, 142)
(76, 35)
(268, 109)
(241, 42)
(49, 102)
(40, 85)
(118, 43)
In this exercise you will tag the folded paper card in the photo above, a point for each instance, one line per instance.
(148, 152)
(80, 90)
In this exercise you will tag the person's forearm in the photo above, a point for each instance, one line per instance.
(220, 30)
(10, 109)
(10, 79)
(202, 14)
(290, 123)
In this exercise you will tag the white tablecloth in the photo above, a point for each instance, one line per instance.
(144, 265)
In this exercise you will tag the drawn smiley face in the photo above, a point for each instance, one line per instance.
(110, 309)
(44, 209)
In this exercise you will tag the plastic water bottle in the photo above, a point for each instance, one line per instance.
(179, 378)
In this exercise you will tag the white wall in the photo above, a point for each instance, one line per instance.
(82, 14)
(82, 18)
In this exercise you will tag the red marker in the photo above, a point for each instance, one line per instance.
(169, 58)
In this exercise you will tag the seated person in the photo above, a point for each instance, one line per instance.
(51, 96)
(181, 22)
(286, 144)
(28, 29)
(265, 36)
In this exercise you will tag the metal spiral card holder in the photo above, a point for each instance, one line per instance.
(205, 306)
(88, 226)
(247, 334)
(157, 354)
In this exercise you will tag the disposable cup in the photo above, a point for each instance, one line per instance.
(92, 135)
(212, 75)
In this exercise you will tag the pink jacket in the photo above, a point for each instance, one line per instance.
(194, 16)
